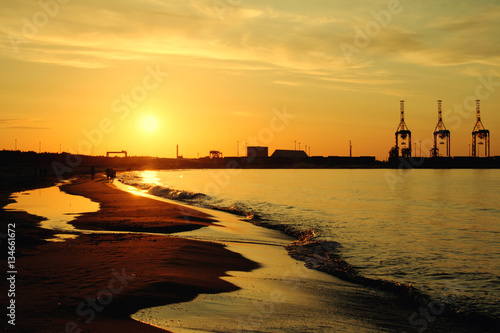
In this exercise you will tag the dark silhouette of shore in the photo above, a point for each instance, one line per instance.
(32, 166)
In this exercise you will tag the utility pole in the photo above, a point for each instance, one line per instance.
(350, 148)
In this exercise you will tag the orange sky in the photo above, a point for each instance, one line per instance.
(83, 75)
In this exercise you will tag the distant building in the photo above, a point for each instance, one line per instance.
(256, 151)
(282, 153)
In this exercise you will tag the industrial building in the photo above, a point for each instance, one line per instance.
(293, 154)
(257, 151)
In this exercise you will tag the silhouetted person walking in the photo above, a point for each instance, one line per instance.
(92, 172)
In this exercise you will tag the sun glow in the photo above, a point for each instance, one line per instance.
(149, 123)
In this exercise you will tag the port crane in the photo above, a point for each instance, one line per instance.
(480, 135)
(403, 136)
(441, 133)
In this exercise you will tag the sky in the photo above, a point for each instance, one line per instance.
(146, 75)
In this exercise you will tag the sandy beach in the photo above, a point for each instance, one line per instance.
(94, 282)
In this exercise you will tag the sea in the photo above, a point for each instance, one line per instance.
(431, 233)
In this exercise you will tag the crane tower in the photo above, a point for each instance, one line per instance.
(403, 136)
(480, 135)
(441, 133)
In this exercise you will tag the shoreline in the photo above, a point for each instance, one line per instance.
(176, 269)
(399, 295)
(283, 288)
(58, 293)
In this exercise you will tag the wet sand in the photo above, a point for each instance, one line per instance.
(96, 281)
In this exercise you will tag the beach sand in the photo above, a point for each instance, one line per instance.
(96, 281)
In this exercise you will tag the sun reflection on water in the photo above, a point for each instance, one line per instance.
(56, 206)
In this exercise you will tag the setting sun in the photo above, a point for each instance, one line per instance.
(149, 123)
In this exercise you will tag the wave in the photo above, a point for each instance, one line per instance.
(192, 198)
(325, 256)
(164, 192)
(319, 254)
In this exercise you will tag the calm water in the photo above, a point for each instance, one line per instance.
(57, 207)
(436, 229)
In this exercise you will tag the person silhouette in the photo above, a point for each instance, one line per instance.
(92, 172)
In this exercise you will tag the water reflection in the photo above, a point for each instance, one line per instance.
(61, 237)
(151, 177)
(56, 206)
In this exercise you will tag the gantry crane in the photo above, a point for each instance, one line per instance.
(442, 133)
(480, 135)
(403, 136)
(116, 152)
(215, 154)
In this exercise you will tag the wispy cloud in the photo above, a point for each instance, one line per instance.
(31, 124)
(118, 32)
(255, 37)
(289, 83)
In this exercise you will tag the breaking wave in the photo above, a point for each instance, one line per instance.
(192, 198)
